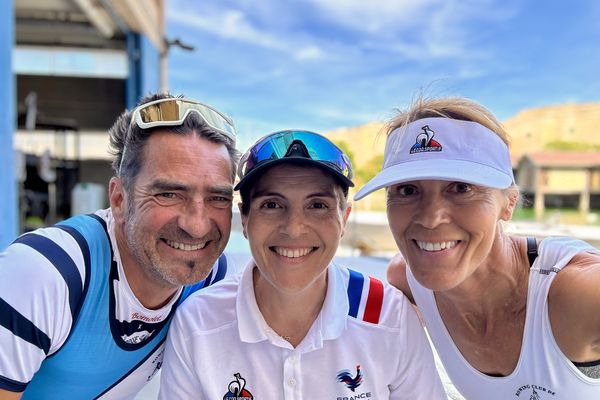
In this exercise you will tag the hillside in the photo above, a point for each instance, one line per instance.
(363, 142)
(531, 130)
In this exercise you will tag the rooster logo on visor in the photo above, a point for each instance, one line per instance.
(425, 142)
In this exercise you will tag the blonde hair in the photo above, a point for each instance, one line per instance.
(448, 107)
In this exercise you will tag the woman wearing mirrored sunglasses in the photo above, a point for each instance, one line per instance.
(511, 317)
(294, 324)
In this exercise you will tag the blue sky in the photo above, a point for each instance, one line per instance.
(325, 64)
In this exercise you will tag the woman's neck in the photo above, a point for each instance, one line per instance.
(290, 315)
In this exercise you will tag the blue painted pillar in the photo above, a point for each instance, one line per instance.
(133, 84)
(150, 67)
(8, 181)
(144, 68)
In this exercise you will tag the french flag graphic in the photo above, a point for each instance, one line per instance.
(365, 297)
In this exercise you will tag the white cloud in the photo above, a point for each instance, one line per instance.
(374, 16)
(416, 29)
(309, 53)
(234, 25)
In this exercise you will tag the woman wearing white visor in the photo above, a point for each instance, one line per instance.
(511, 317)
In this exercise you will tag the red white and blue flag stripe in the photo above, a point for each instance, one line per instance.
(365, 297)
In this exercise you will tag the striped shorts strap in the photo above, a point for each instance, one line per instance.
(365, 297)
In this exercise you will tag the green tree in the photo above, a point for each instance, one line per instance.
(370, 169)
(571, 146)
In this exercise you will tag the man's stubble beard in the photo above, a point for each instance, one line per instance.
(149, 261)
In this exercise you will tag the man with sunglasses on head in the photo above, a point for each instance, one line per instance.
(295, 324)
(85, 305)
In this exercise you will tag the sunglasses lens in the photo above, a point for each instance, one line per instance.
(211, 117)
(274, 147)
(167, 111)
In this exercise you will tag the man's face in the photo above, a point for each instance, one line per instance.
(177, 220)
(294, 226)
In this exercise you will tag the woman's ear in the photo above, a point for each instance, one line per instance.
(345, 217)
(512, 194)
(244, 219)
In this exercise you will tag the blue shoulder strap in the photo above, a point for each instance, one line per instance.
(217, 273)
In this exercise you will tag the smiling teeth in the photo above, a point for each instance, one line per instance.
(186, 247)
(295, 253)
(429, 246)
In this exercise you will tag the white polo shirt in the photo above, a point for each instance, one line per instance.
(367, 343)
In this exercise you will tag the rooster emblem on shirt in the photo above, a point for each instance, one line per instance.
(351, 382)
(237, 389)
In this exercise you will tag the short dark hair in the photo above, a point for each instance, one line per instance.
(127, 166)
(246, 190)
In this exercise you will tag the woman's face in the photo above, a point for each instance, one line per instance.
(444, 229)
(294, 226)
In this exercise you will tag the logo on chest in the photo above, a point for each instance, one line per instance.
(352, 380)
(534, 392)
(237, 389)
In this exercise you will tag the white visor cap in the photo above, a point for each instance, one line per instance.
(443, 149)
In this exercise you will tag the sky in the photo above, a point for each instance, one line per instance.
(326, 64)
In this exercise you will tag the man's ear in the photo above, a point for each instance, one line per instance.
(116, 197)
(511, 204)
(244, 219)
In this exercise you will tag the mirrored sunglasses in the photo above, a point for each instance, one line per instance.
(276, 146)
(173, 111)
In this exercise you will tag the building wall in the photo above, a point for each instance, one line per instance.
(525, 176)
(557, 180)
(91, 103)
(565, 181)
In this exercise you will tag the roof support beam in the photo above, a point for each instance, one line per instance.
(98, 17)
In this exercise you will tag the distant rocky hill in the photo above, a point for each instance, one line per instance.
(363, 142)
(560, 127)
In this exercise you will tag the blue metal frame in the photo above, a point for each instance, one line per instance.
(132, 86)
(144, 67)
(8, 182)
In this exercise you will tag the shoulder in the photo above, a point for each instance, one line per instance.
(396, 275)
(223, 267)
(580, 276)
(573, 303)
(397, 312)
(561, 250)
(42, 279)
(48, 254)
(209, 308)
(375, 302)
(577, 260)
